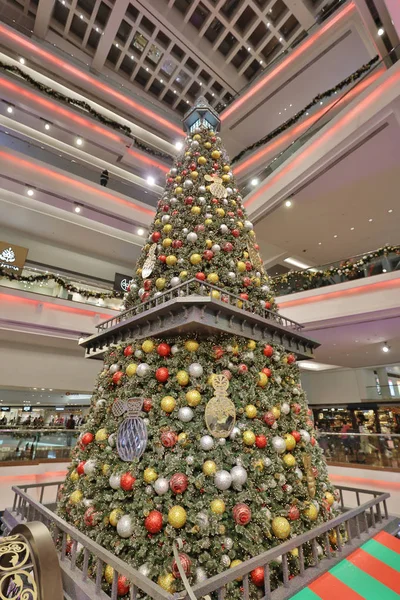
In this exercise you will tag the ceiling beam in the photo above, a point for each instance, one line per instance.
(43, 16)
(110, 31)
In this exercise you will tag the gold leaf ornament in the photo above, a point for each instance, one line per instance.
(220, 413)
(255, 258)
(149, 263)
(218, 190)
(312, 488)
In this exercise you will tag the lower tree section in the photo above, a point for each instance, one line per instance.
(208, 443)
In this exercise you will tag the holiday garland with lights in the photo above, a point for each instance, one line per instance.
(203, 441)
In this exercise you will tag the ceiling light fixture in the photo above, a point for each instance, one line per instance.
(10, 110)
(77, 208)
(79, 141)
(288, 203)
(30, 192)
(381, 31)
(47, 126)
(351, 228)
(150, 180)
(390, 210)
(254, 182)
(335, 236)
(319, 243)
(140, 231)
(385, 347)
(370, 220)
(296, 263)
(22, 61)
(179, 145)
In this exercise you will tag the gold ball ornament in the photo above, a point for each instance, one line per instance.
(171, 260)
(160, 283)
(208, 222)
(191, 345)
(197, 137)
(194, 174)
(241, 266)
(178, 179)
(239, 304)
(139, 271)
(209, 468)
(168, 404)
(148, 346)
(193, 398)
(109, 574)
(218, 506)
(289, 441)
(295, 552)
(195, 259)
(251, 411)
(115, 516)
(215, 294)
(216, 154)
(207, 145)
(105, 469)
(311, 512)
(167, 228)
(220, 212)
(74, 476)
(226, 168)
(262, 380)
(252, 345)
(101, 435)
(236, 563)
(177, 516)
(209, 243)
(183, 439)
(281, 528)
(226, 178)
(183, 274)
(329, 498)
(182, 377)
(167, 242)
(259, 465)
(249, 438)
(195, 210)
(179, 191)
(202, 160)
(212, 278)
(167, 582)
(289, 460)
(276, 412)
(76, 497)
(150, 475)
(240, 225)
(131, 369)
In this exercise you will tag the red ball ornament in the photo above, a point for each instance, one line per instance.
(162, 374)
(261, 441)
(200, 276)
(162, 258)
(239, 212)
(215, 200)
(257, 576)
(127, 482)
(165, 208)
(189, 200)
(164, 349)
(156, 236)
(170, 180)
(266, 371)
(246, 281)
(199, 228)
(116, 378)
(244, 296)
(296, 436)
(147, 284)
(291, 359)
(177, 244)
(169, 439)
(296, 408)
(227, 374)
(268, 351)
(293, 513)
(186, 564)
(241, 514)
(218, 352)
(122, 585)
(310, 412)
(178, 483)
(249, 266)
(154, 521)
(193, 167)
(89, 516)
(213, 139)
(235, 233)
(147, 405)
(269, 418)
(314, 471)
(208, 254)
(256, 247)
(128, 351)
(87, 438)
(267, 305)
(184, 172)
(242, 368)
(313, 441)
(80, 467)
(228, 247)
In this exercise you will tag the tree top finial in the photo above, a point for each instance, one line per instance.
(201, 115)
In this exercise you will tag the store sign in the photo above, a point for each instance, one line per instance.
(5, 409)
(122, 282)
(27, 409)
(12, 258)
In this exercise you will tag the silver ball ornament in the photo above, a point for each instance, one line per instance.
(185, 231)
(305, 436)
(206, 442)
(174, 171)
(216, 248)
(202, 189)
(239, 477)
(234, 433)
(267, 461)
(90, 467)
(223, 228)
(87, 502)
(229, 190)
(149, 490)
(185, 414)
(285, 408)
(144, 569)
(187, 184)
(278, 444)
(141, 291)
(190, 460)
(288, 488)
(143, 370)
(228, 543)
(114, 368)
(115, 481)
(201, 575)
(192, 237)
(201, 200)
(100, 404)
(125, 526)
(225, 560)
(232, 275)
(221, 441)
(174, 349)
(165, 218)
(195, 370)
(194, 144)
(173, 200)
(202, 519)
(248, 225)
(161, 486)
(174, 281)
(223, 480)
(298, 473)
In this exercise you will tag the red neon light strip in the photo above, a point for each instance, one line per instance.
(82, 187)
(365, 481)
(350, 116)
(286, 62)
(372, 287)
(328, 587)
(298, 130)
(29, 476)
(52, 306)
(388, 540)
(64, 66)
(376, 569)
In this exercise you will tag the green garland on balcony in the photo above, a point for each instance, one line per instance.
(44, 89)
(62, 283)
(293, 120)
(307, 280)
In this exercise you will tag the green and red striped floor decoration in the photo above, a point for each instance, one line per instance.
(372, 572)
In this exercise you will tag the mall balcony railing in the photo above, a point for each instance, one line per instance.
(379, 451)
(36, 445)
(383, 260)
(388, 392)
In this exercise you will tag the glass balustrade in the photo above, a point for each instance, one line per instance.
(361, 449)
(36, 444)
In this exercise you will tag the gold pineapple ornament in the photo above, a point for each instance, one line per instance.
(310, 477)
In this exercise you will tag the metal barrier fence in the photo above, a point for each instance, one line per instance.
(360, 523)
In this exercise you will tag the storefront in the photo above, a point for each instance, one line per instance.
(373, 417)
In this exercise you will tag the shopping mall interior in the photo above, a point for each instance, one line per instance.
(101, 103)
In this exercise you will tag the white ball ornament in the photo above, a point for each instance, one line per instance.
(229, 191)
(190, 460)
(201, 200)
(201, 575)
(195, 370)
(114, 368)
(87, 502)
(285, 408)
(216, 248)
(234, 433)
(174, 349)
(202, 519)
(174, 200)
(222, 480)
(192, 237)
(115, 481)
(145, 569)
(174, 171)
(165, 218)
(185, 231)
(305, 436)
(298, 473)
(232, 275)
(279, 445)
(143, 370)
(90, 467)
(100, 404)
(185, 414)
(228, 543)
(202, 189)
(222, 441)
(194, 144)
(141, 291)
(125, 526)
(206, 443)
(187, 184)
(161, 486)
(248, 225)
(223, 228)
(239, 477)
(174, 281)
(225, 560)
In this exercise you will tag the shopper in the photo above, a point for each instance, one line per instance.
(104, 177)
(70, 424)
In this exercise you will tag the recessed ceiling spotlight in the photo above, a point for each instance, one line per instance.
(281, 39)
(77, 209)
(261, 62)
(335, 236)
(370, 220)
(390, 210)
(79, 141)
(254, 182)
(249, 49)
(385, 347)
(30, 192)
(179, 145)
(288, 203)
(384, 271)
(10, 109)
(381, 31)
(132, 56)
(140, 231)
(351, 228)
(319, 243)
(81, 16)
(117, 45)
(22, 61)
(47, 126)
(150, 180)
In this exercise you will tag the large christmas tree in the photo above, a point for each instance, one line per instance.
(199, 435)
